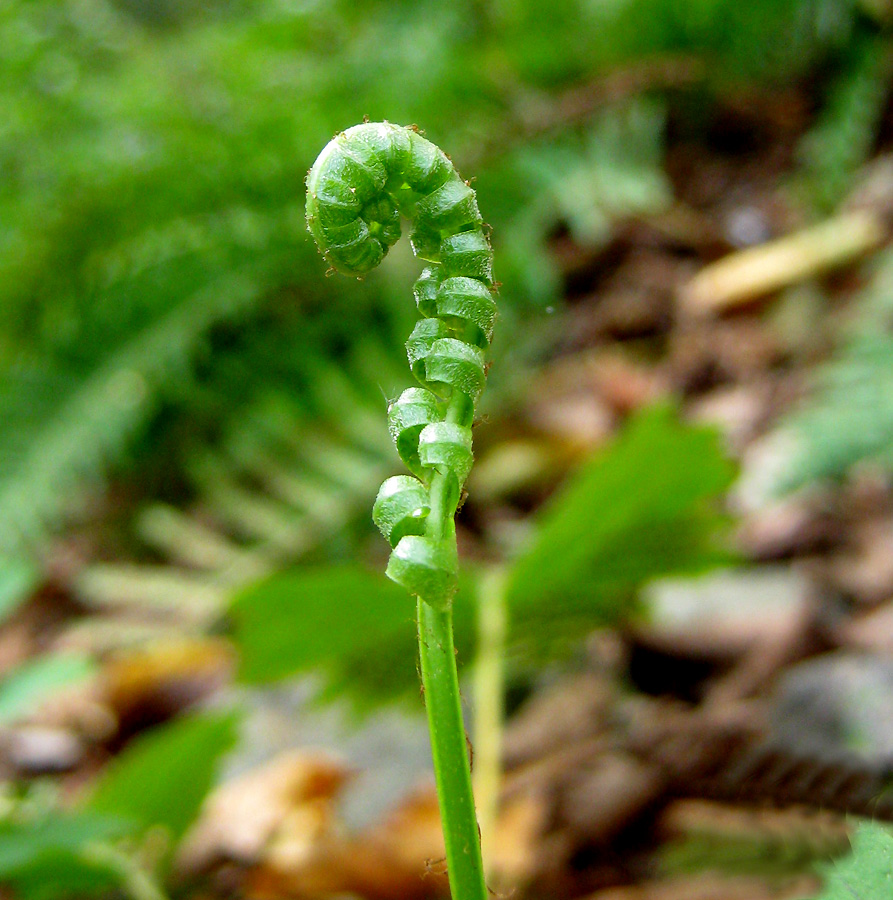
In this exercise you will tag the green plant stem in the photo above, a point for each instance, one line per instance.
(449, 750)
(489, 690)
(356, 189)
(136, 881)
(449, 747)
(441, 518)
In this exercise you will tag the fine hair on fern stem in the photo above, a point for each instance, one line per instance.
(363, 182)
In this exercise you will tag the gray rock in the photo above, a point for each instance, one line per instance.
(731, 609)
(837, 705)
(43, 750)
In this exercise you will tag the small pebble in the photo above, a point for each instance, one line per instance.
(835, 705)
(39, 750)
(746, 226)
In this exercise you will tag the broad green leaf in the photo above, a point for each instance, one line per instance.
(355, 627)
(47, 859)
(18, 578)
(309, 618)
(30, 684)
(163, 776)
(867, 872)
(390, 671)
(645, 507)
(849, 416)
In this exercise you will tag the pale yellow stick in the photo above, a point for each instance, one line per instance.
(751, 273)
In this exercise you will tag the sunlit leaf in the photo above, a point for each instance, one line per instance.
(26, 687)
(309, 618)
(867, 872)
(645, 507)
(354, 627)
(18, 578)
(163, 776)
(49, 858)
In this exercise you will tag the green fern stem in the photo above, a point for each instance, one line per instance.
(362, 183)
(450, 753)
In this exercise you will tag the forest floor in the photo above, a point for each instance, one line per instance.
(708, 754)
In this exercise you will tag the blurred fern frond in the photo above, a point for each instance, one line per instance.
(612, 170)
(278, 483)
(763, 39)
(153, 171)
(850, 416)
(147, 200)
(62, 427)
(586, 178)
(846, 130)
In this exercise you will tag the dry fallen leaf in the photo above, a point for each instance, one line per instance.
(154, 682)
(401, 858)
(278, 813)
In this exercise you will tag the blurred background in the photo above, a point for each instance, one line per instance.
(675, 623)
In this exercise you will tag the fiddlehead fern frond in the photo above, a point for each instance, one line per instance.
(363, 181)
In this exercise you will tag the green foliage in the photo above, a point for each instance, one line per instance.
(27, 686)
(790, 34)
(735, 855)
(152, 158)
(62, 430)
(353, 627)
(844, 135)
(139, 267)
(587, 178)
(849, 417)
(293, 464)
(645, 507)
(309, 619)
(160, 779)
(48, 856)
(18, 577)
(610, 171)
(288, 474)
(163, 776)
(866, 873)
(147, 228)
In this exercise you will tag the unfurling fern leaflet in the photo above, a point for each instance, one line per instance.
(356, 192)
(364, 180)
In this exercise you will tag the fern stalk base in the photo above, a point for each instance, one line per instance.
(449, 749)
